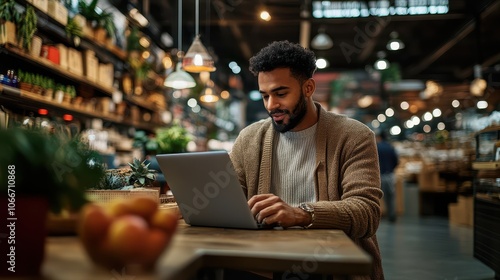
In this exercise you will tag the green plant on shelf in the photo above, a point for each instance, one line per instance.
(74, 32)
(8, 12)
(89, 11)
(71, 91)
(106, 21)
(26, 28)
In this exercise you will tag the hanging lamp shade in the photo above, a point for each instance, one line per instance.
(179, 79)
(322, 41)
(208, 95)
(197, 58)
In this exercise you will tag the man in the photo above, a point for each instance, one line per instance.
(305, 166)
(388, 160)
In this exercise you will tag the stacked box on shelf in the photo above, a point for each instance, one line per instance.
(91, 65)
(8, 33)
(42, 5)
(75, 61)
(106, 74)
(63, 56)
(57, 11)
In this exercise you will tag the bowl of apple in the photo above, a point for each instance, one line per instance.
(126, 232)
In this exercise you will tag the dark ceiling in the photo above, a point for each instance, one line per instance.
(438, 47)
(442, 48)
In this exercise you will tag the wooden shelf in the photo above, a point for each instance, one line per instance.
(55, 68)
(487, 165)
(28, 98)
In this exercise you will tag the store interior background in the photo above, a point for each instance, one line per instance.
(429, 99)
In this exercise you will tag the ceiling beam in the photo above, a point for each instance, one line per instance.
(467, 72)
(465, 30)
(276, 21)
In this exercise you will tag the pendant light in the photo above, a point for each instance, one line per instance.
(197, 58)
(209, 95)
(179, 79)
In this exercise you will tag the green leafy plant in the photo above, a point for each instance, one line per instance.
(8, 11)
(133, 40)
(172, 140)
(88, 11)
(26, 27)
(141, 175)
(50, 166)
(73, 29)
(106, 21)
(114, 179)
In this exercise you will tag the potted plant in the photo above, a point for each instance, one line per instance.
(42, 172)
(172, 140)
(138, 180)
(69, 94)
(25, 80)
(26, 28)
(9, 17)
(49, 87)
(59, 93)
(105, 27)
(74, 31)
(37, 84)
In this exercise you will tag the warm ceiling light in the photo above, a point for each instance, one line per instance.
(209, 95)
(381, 63)
(224, 94)
(322, 41)
(478, 85)
(179, 79)
(321, 63)
(138, 17)
(365, 101)
(197, 58)
(395, 43)
(265, 15)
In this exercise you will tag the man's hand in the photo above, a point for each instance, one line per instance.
(270, 209)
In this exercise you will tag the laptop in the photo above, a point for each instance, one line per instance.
(207, 190)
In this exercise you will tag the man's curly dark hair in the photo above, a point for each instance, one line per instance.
(284, 54)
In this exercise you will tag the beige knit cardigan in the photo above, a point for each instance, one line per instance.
(347, 177)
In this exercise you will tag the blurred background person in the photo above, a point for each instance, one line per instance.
(388, 160)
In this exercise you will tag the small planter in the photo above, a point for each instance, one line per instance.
(25, 86)
(67, 98)
(100, 35)
(59, 96)
(48, 93)
(106, 196)
(37, 89)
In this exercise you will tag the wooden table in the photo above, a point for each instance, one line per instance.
(194, 248)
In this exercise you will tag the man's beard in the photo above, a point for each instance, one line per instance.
(294, 118)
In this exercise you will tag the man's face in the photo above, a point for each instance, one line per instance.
(283, 98)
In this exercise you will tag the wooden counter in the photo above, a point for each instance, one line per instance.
(193, 248)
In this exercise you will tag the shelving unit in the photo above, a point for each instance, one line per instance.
(147, 115)
(487, 212)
